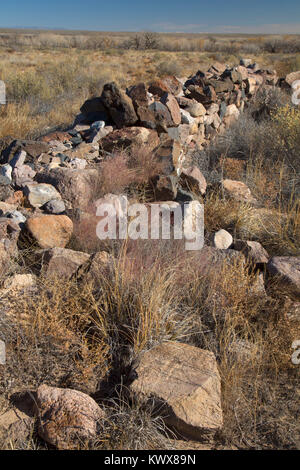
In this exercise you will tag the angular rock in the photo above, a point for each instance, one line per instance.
(162, 115)
(222, 86)
(67, 418)
(5, 173)
(75, 186)
(192, 177)
(63, 263)
(186, 117)
(50, 231)
(174, 85)
(205, 95)
(184, 382)
(238, 190)
(33, 149)
(9, 235)
(292, 77)
(170, 102)
(251, 85)
(18, 217)
(242, 71)
(287, 271)
(118, 105)
(23, 174)
(40, 194)
(141, 102)
(19, 159)
(159, 88)
(170, 155)
(252, 250)
(217, 67)
(55, 206)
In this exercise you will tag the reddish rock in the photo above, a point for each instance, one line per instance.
(9, 234)
(238, 190)
(252, 250)
(50, 231)
(173, 85)
(193, 178)
(75, 186)
(66, 418)
(184, 382)
(286, 269)
(159, 88)
(138, 94)
(170, 102)
(124, 138)
(205, 95)
(58, 136)
(170, 154)
(63, 263)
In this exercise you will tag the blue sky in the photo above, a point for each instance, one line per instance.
(158, 15)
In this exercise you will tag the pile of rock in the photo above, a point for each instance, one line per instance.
(46, 184)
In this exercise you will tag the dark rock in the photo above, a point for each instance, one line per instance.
(33, 149)
(119, 105)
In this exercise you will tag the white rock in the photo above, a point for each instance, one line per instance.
(20, 282)
(222, 240)
(39, 194)
(186, 117)
(18, 159)
(78, 163)
(6, 170)
(2, 353)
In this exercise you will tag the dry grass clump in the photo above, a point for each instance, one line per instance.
(126, 168)
(132, 425)
(251, 338)
(90, 339)
(168, 68)
(48, 340)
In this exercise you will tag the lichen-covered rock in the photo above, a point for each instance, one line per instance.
(184, 383)
(67, 418)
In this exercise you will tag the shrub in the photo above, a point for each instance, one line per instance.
(168, 68)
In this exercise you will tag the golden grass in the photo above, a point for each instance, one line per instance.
(68, 336)
(77, 72)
